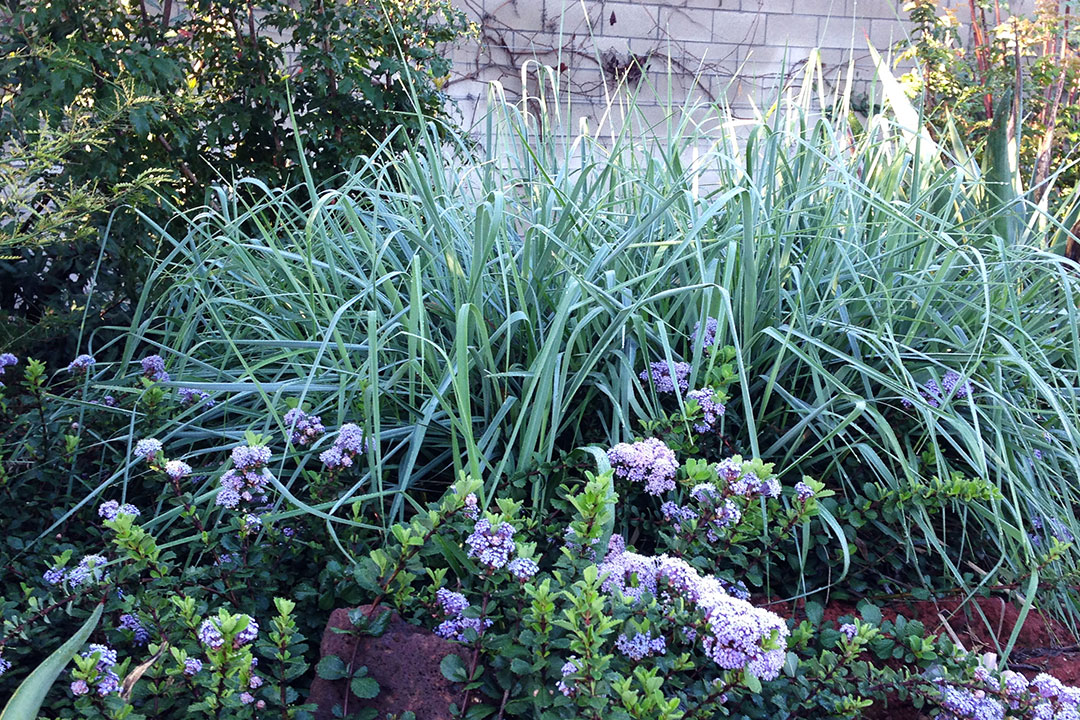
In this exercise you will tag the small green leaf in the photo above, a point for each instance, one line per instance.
(870, 612)
(453, 669)
(331, 667)
(364, 688)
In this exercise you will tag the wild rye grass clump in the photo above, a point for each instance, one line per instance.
(893, 326)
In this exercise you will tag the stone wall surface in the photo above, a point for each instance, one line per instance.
(736, 51)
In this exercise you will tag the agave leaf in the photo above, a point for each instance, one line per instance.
(28, 697)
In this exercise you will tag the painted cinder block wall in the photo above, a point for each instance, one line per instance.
(735, 50)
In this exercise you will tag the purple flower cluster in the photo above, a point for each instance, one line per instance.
(153, 368)
(803, 492)
(641, 645)
(678, 514)
(710, 405)
(849, 630)
(648, 461)
(452, 603)
(177, 470)
(91, 569)
(741, 636)
(934, 394)
(191, 396)
(349, 443)
(568, 669)
(81, 365)
(248, 478)
(962, 703)
(147, 449)
(303, 429)
(523, 568)
(746, 484)
(491, 546)
(456, 624)
(111, 509)
(210, 634)
(6, 360)
(471, 509)
(107, 681)
(708, 337)
(660, 375)
(5, 665)
(130, 622)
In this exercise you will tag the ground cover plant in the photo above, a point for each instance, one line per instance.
(830, 362)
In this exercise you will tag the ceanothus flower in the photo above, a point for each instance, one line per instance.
(729, 470)
(678, 514)
(191, 396)
(849, 631)
(951, 380)
(147, 449)
(248, 478)
(491, 546)
(975, 705)
(303, 429)
(568, 669)
(660, 375)
(153, 367)
(803, 492)
(7, 360)
(192, 666)
(349, 443)
(1047, 686)
(453, 603)
(210, 635)
(89, 569)
(641, 645)
(130, 622)
(111, 509)
(523, 568)
(455, 628)
(647, 461)
(708, 337)
(711, 407)
(81, 365)
(249, 633)
(471, 509)
(79, 687)
(106, 655)
(5, 665)
(54, 575)
(177, 470)
(629, 573)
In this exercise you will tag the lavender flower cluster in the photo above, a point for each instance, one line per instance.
(742, 481)
(106, 681)
(248, 478)
(303, 429)
(641, 645)
(660, 375)
(740, 636)
(456, 624)
(190, 397)
(708, 336)
(647, 461)
(148, 449)
(711, 407)
(111, 509)
(81, 365)
(491, 546)
(91, 569)
(132, 623)
(349, 443)
(153, 368)
(7, 360)
(935, 395)
(210, 634)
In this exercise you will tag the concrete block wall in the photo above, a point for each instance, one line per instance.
(739, 51)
